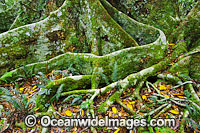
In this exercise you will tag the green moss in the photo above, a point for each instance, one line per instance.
(71, 83)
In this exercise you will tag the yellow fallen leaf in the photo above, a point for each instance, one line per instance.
(114, 110)
(34, 87)
(32, 91)
(130, 106)
(68, 112)
(21, 89)
(166, 96)
(171, 44)
(182, 97)
(117, 130)
(144, 97)
(162, 87)
(174, 112)
(132, 102)
(100, 117)
(82, 112)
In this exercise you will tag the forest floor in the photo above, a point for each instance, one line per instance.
(160, 99)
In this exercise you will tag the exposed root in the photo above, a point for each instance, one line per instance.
(182, 126)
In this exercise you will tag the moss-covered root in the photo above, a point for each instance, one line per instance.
(163, 110)
(170, 78)
(71, 82)
(193, 93)
(136, 93)
(81, 61)
(92, 91)
(185, 115)
(133, 79)
(130, 80)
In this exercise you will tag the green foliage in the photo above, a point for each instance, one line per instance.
(193, 124)
(3, 124)
(43, 79)
(86, 104)
(18, 100)
(164, 130)
(6, 76)
(58, 93)
(77, 99)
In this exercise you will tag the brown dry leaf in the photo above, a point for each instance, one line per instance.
(142, 114)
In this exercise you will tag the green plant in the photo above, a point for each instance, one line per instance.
(19, 101)
(58, 93)
(77, 99)
(43, 79)
(86, 104)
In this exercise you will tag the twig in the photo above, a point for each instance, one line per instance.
(185, 115)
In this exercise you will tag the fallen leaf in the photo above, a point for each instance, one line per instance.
(68, 112)
(34, 87)
(114, 110)
(117, 130)
(21, 89)
(100, 117)
(142, 114)
(144, 97)
(33, 91)
(82, 112)
(130, 106)
(162, 87)
(182, 97)
(166, 96)
(174, 112)
(132, 102)
(171, 44)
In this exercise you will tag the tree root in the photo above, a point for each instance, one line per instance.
(163, 110)
(185, 115)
